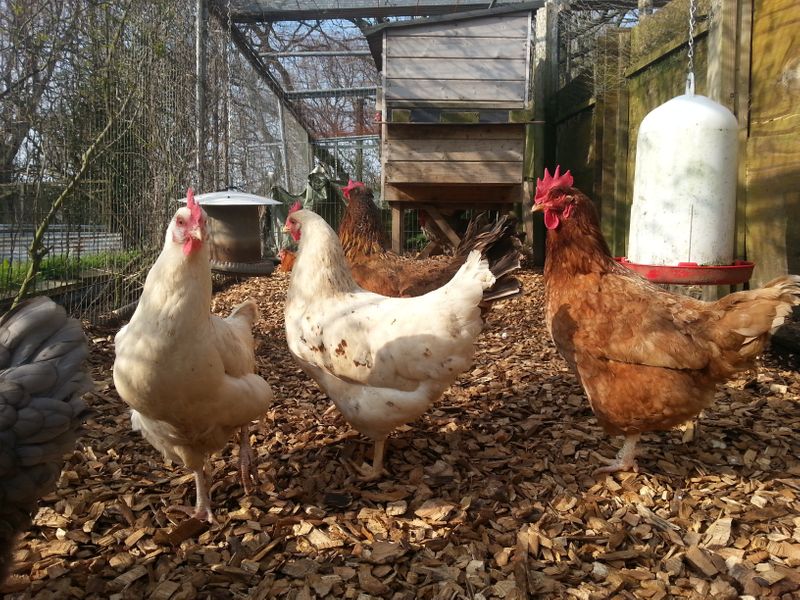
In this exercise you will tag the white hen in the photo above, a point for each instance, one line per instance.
(188, 375)
(382, 360)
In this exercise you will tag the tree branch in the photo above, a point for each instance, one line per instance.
(37, 250)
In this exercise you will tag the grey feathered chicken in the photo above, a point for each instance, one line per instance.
(42, 380)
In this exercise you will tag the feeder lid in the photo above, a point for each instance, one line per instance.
(232, 198)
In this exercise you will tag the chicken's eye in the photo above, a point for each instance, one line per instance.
(180, 221)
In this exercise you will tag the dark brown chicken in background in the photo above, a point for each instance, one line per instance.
(42, 380)
(377, 269)
(647, 359)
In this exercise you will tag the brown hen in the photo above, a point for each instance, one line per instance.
(377, 269)
(647, 359)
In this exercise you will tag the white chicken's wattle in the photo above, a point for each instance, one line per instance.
(190, 376)
(383, 361)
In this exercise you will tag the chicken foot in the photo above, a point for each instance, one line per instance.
(202, 507)
(626, 457)
(248, 469)
(376, 471)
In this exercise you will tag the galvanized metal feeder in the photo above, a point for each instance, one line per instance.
(233, 226)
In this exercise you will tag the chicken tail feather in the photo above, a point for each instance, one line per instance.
(499, 243)
(248, 311)
(751, 317)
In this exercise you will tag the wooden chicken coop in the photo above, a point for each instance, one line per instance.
(454, 104)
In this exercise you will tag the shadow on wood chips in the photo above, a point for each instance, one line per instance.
(490, 493)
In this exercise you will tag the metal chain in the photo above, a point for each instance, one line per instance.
(690, 53)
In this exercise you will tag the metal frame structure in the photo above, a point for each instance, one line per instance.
(240, 15)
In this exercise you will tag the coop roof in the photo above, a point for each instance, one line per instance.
(374, 35)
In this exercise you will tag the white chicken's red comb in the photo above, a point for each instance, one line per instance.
(193, 206)
(295, 207)
(548, 182)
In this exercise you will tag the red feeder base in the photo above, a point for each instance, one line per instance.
(688, 273)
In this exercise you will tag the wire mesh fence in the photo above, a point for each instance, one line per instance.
(107, 145)
(98, 145)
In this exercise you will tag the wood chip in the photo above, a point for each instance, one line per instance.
(435, 509)
(490, 494)
(718, 533)
(699, 558)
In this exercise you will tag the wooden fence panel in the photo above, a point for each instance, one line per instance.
(773, 146)
(596, 128)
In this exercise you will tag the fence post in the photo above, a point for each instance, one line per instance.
(622, 144)
(398, 229)
(742, 112)
(541, 136)
(201, 40)
(721, 72)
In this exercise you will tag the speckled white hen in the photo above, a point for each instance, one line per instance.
(383, 361)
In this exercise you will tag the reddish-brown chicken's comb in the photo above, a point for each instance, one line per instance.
(194, 207)
(295, 207)
(351, 185)
(548, 182)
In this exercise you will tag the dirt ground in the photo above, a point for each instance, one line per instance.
(490, 494)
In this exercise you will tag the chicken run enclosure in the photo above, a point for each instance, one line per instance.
(110, 111)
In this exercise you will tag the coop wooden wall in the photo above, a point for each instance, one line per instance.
(480, 63)
(596, 130)
(453, 163)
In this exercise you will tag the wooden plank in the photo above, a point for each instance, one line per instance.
(670, 48)
(463, 133)
(473, 69)
(441, 48)
(773, 153)
(292, 10)
(480, 195)
(456, 116)
(742, 111)
(513, 106)
(722, 48)
(398, 229)
(610, 78)
(501, 26)
(455, 150)
(540, 139)
(452, 172)
(443, 225)
(512, 92)
(621, 205)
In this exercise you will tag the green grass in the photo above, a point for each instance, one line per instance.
(61, 268)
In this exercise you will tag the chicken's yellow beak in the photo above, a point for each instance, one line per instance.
(285, 229)
(196, 233)
(537, 208)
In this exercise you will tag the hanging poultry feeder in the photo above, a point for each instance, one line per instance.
(234, 231)
(684, 199)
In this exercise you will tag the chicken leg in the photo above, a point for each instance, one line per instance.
(626, 457)
(248, 469)
(376, 472)
(202, 507)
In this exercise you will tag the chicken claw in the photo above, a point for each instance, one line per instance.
(625, 460)
(202, 509)
(248, 469)
(376, 471)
